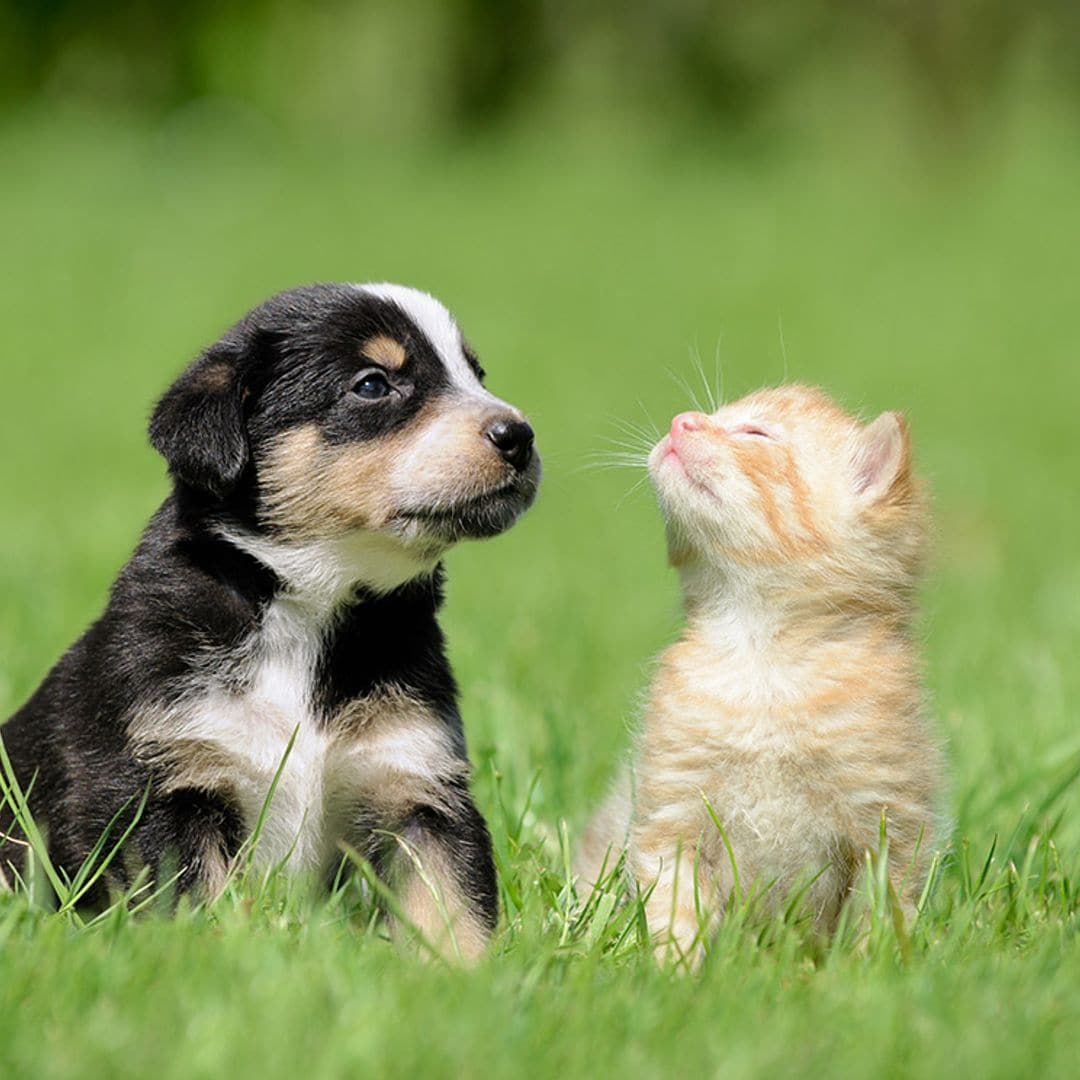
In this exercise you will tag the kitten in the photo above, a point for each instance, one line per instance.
(791, 703)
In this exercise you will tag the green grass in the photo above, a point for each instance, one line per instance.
(583, 273)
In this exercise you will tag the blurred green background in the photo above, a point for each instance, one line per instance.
(879, 197)
(443, 68)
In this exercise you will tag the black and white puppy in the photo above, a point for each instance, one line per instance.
(325, 453)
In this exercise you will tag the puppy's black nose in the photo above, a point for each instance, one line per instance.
(514, 441)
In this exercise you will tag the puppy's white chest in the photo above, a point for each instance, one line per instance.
(285, 740)
(271, 728)
(253, 727)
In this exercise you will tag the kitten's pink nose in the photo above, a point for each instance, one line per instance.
(686, 421)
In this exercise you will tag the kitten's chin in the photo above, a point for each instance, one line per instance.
(677, 482)
(692, 514)
(688, 530)
(691, 508)
(681, 553)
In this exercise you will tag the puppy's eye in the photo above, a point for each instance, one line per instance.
(372, 386)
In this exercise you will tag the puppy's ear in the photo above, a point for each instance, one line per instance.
(198, 426)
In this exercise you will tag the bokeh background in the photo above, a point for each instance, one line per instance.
(877, 196)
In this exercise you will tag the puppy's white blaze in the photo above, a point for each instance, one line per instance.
(439, 326)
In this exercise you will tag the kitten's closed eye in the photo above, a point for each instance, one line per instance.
(752, 429)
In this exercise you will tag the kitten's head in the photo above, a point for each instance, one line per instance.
(785, 480)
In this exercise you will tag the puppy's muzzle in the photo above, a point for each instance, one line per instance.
(502, 491)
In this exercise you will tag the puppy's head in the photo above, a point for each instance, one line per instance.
(343, 410)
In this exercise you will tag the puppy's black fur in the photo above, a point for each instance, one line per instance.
(278, 440)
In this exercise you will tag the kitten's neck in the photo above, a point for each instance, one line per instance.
(765, 609)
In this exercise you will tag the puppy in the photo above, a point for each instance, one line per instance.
(281, 608)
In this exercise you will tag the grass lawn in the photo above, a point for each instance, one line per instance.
(585, 275)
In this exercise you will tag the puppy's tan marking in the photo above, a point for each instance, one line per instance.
(212, 869)
(314, 489)
(385, 351)
(433, 904)
(401, 753)
(188, 762)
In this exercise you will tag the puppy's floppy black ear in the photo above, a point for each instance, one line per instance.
(198, 426)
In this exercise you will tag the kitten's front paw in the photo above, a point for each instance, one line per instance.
(679, 941)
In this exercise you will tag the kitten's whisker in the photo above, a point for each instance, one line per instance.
(621, 450)
(634, 437)
(648, 419)
(718, 370)
(648, 436)
(636, 464)
(636, 434)
(685, 386)
(633, 488)
(602, 466)
(620, 457)
(699, 367)
(641, 449)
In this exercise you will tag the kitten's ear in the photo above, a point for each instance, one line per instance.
(882, 457)
(198, 426)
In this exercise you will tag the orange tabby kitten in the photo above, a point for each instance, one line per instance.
(792, 702)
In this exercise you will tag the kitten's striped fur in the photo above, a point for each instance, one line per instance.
(792, 700)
